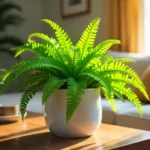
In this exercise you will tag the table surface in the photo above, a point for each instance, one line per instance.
(32, 134)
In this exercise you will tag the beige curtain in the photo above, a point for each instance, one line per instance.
(121, 22)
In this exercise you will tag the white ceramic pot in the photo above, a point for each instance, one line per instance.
(84, 122)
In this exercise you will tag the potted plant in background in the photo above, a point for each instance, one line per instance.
(9, 18)
(71, 77)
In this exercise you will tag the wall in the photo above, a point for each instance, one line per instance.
(74, 26)
(33, 13)
(35, 10)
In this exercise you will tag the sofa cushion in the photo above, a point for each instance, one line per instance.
(34, 105)
(130, 118)
(146, 82)
(108, 115)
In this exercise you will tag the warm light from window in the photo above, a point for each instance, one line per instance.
(147, 25)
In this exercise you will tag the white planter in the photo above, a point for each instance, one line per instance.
(84, 122)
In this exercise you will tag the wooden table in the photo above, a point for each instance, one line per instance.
(33, 134)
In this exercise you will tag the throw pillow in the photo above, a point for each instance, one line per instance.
(146, 80)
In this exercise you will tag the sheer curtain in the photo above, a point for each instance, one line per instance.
(141, 28)
(146, 26)
(121, 22)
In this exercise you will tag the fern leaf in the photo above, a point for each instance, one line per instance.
(30, 65)
(88, 37)
(120, 60)
(119, 67)
(98, 54)
(104, 46)
(28, 95)
(37, 63)
(129, 94)
(128, 80)
(62, 37)
(33, 79)
(51, 86)
(8, 82)
(75, 92)
(110, 98)
(37, 48)
(118, 94)
(94, 76)
(40, 36)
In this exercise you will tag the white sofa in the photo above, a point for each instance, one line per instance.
(127, 115)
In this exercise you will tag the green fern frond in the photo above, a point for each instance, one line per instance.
(30, 65)
(110, 98)
(75, 92)
(50, 47)
(64, 40)
(129, 94)
(85, 62)
(97, 53)
(2, 72)
(88, 38)
(33, 79)
(40, 36)
(51, 44)
(104, 46)
(120, 60)
(118, 94)
(8, 82)
(13, 68)
(128, 80)
(100, 79)
(119, 67)
(28, 95)
(37, 48)
(53, 84)
(35, 64)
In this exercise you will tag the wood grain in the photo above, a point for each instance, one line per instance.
(32, 134)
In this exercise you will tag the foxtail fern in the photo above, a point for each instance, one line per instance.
(61, 64)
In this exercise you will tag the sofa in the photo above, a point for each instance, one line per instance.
(126, 115)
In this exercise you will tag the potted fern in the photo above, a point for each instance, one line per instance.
(71, 77)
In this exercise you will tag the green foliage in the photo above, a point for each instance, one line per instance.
(52, 84)
(9, 18)
(62, 65)
(2, 72)
(74, 95)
